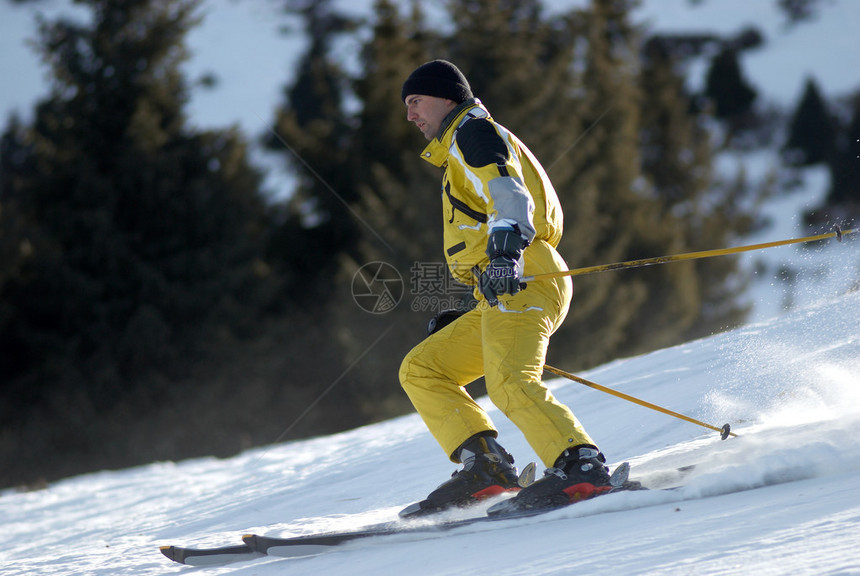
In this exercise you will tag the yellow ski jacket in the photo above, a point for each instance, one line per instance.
(491, 179)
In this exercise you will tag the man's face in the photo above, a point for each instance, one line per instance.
(427, 112)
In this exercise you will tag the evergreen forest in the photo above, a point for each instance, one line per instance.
(157, 304)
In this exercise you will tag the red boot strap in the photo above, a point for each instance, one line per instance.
(584, 491)
(492, 491)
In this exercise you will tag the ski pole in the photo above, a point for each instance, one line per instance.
(838, 233)
(725, 431)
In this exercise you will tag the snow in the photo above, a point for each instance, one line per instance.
(782, 498)
(827, 48)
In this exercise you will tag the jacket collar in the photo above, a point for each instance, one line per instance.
(436, 152)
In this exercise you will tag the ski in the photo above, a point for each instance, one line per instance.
(210, 556)
(257, 545)
(297, 546)
(313, 544)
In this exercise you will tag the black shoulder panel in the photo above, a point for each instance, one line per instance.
(480, 143)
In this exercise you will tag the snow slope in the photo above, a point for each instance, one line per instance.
(782, 498)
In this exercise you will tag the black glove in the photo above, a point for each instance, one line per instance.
(442, 319)
(502, 275)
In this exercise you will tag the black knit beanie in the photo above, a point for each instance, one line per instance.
(437, 78)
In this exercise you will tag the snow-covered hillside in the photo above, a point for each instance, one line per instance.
(782, 498)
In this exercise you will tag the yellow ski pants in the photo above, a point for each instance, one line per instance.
(507, 344)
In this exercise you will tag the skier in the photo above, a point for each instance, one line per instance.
(502, 220)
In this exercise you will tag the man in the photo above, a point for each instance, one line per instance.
(502, 220)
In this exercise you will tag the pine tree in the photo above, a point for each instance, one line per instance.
(812, 130)
(140, 241)
(389, 171)
(845, 165)
(396, 210)
(728, 92)
(314, 132)
(697, 211)
(798, 11)
(605, 305)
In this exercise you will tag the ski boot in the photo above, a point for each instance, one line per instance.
(488, 470)
(579, 473)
